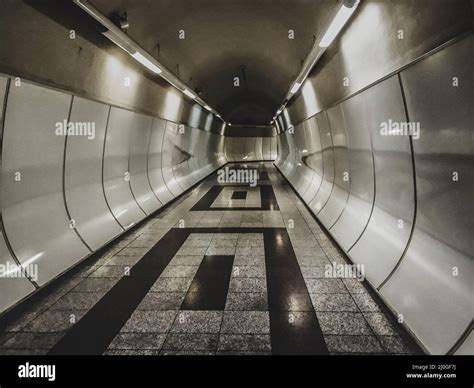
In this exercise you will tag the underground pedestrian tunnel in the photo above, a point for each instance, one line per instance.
(236, 177)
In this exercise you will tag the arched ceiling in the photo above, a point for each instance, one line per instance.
(226, 39)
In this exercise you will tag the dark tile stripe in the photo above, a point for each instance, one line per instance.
(267, 195)
(96, 330)
(294, 326)
(210, 285)
(263, 176)
(207, 200)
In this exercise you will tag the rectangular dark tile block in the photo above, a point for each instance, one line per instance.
(239, 195)
(210, 285)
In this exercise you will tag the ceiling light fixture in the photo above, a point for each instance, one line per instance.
(189, 93)
(342, 16)
(339, 21)
(295, 87)
(147, 63)
(122, 40)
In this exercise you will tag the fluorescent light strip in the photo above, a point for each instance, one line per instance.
(147, 63)
(118, 37)
(120, 43)
(295, 87)
(189, 93)
(337, 24)
(342, 16)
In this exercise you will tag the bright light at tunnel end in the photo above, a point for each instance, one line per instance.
(338, 23)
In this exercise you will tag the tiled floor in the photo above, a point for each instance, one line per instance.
(224, 270)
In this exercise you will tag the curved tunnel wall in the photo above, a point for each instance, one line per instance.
(400, 204)
(66, 196)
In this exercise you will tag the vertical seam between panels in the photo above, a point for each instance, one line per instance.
(130, 173)
(147, 162)
(276, 151)
(333, 163)
(172, 167)
(162, 153)
(225, 149)
(375, 180)
(350, 169)
(322, 163)
(103, 166)
(2, 224)
(73, 227)
(415, 190)
(465, 334)
(255, 149)
(188, 161)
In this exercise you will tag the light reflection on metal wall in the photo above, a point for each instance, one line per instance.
(423, 273)
(127, 168)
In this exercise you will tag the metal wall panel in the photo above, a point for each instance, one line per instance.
(288, 164)
(356, 213)
(266, 148)
(139, 183)
(166, 162)
(116, 181)
(273, 148)
(322, 195)
(239, 148)
(15, 286)
(304, 173)
(467, 347)
(195, 142)
(232, 144)
(313, 158)
(189, 167)
(83, 176)
(33, 208)
(155, 154)
(206, 153)
(385, 238)
(442, 240)
(218, 158)
(249, 145)
(259, 148)
(52, 223)
(180, 158)
(333, 208)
